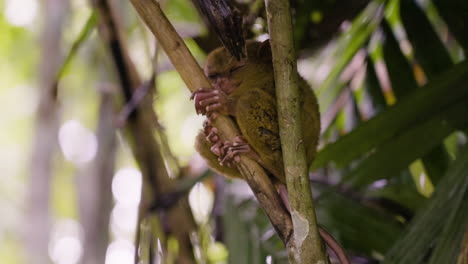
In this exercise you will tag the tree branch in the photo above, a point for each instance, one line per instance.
(194, 78)
(308, 246)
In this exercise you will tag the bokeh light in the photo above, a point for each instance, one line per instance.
(201, 201)
(125, 217)
(21, 12)
(126, 186)
(190, 128)
(120, 252)
(65, 244)
(78, 144)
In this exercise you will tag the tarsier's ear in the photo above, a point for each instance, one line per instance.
(264, 50)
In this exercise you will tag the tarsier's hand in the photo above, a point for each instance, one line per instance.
(210, 102)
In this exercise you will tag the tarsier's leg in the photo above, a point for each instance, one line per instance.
(258, 123)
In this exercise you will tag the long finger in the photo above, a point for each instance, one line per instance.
(209, 100)
(213, 136)
(201, 90)
(213, 107)
(203, 95)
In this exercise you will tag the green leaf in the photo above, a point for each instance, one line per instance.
(373, 88)
(428, 49)
(402, 191)
(403, 81)
(439, 223)
(395, 155)
(416, 107)
(399, 70)
(236, 233)
(345, 218)
(434, 58)
(82, 37)
(448, 247)
(348, 44)
(243, 225)
(454, 12)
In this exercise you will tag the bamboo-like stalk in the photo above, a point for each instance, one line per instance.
(308, 244)
(156, 181)
(194, 78)
(94, 184)
(44, 142)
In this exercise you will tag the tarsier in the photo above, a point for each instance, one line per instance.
(244, 90)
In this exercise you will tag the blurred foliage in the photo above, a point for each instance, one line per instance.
(392, 81)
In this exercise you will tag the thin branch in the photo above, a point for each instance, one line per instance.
(194, 78)
(136, 100)
(308, 247)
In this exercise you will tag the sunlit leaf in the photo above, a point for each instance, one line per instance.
(429, 50)
(416, 107)
(348, 44)
(403, 81)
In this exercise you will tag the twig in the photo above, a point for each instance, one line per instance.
(137, 97)
(82, 37)
(308, 247)
(194, 78)
(168, 200)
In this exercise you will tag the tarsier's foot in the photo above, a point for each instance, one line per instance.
(209, 102)
(231, 149)
(211, 135)
(211, 132)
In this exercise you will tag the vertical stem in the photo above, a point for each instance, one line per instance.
(45, 135)
(307, 247)
(94, 184)
(144, 145)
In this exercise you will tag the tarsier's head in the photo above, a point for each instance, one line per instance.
(226, 73)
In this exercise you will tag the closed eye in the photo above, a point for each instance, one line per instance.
(236, 68)
(213, 76)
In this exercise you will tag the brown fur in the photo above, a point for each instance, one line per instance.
(253, 108)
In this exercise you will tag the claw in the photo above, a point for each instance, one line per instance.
(209, 101)
(216, 148)
(201, 90)
(231, 150)
(213, 136)
(212, 116)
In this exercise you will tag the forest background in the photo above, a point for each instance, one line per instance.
(390, 180)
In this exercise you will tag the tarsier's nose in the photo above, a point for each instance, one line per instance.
(222, 82)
